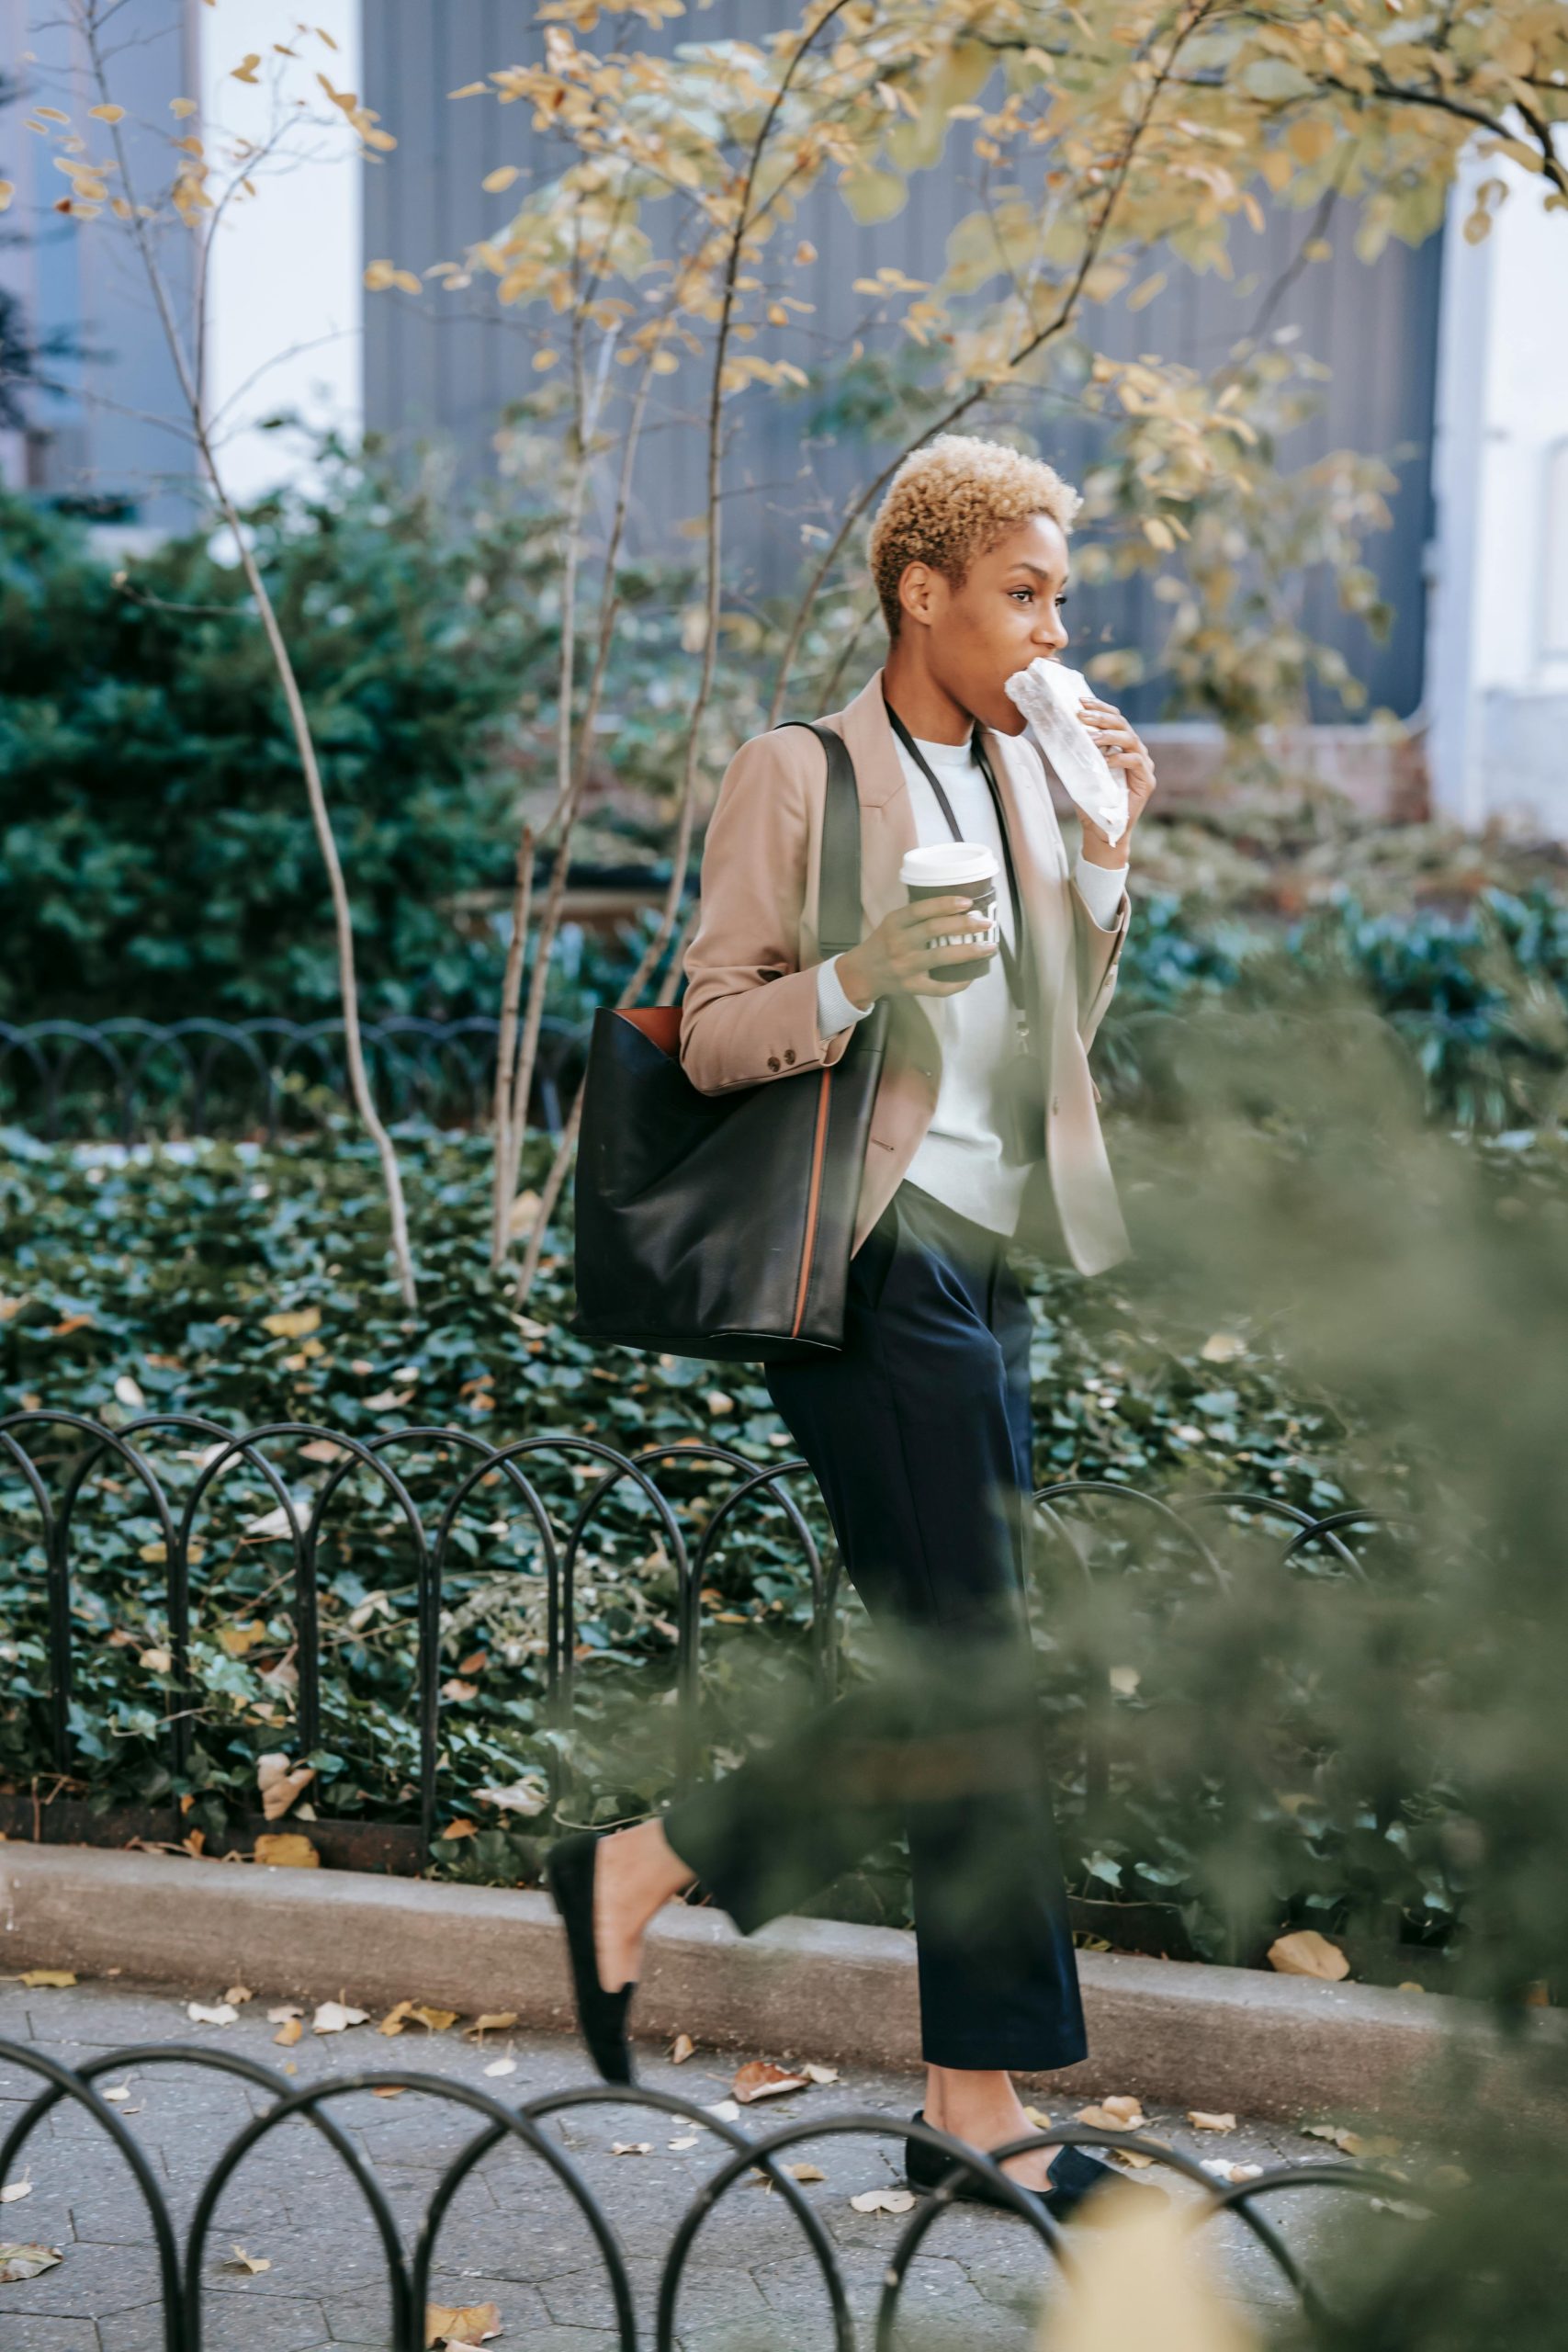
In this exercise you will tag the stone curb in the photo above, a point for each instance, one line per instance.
(1176, 2031)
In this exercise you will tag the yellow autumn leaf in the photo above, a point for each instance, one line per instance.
(293, 1323)
(1141, 2279)
(1307, 1953)
(462, 2323)
(56, 1979)
(287, 1849)
(234, 1641)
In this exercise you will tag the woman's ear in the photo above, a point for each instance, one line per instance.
(917, 591)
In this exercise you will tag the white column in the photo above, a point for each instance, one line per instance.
(1497, 645)
(284, 297)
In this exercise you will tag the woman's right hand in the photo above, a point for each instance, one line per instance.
(899, 957)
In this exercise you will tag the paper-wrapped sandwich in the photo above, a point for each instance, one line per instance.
(1048, 693)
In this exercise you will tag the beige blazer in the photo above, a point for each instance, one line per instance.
(749, 1010)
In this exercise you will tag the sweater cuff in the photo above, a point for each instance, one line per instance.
(835, 1010)
(1102, 889)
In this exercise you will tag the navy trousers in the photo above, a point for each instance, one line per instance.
(917, 1433)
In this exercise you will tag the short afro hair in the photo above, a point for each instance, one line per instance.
(951, 501)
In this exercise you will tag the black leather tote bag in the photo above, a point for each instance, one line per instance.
(720, 1225)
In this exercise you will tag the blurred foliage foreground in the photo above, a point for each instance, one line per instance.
(1332, 1301)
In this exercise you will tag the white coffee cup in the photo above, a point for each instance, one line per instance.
(954, 869)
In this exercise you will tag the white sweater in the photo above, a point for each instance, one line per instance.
(961, 1159)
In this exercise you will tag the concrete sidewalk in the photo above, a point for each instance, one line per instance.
(513, 2237)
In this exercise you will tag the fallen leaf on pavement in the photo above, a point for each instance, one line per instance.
(1352, 2144)
(1130, 2157)
(284, 2011)
(683, 2048)
(239, 1995)
(687, 2140)
(1307, 1953)
(287, 1849)
(291, 2030)
(804, 2172)
(815, 2073)
(725, 2109)
(759, 2079)
(116, 2093)
(1113, 2115)
(252, 2264)
(465, 2323)
(396, 2018)
(35, 1978)
(1202, 2122)
(492, 2021)
(884, 2200)
(1222, 2169)
(24, 2261)
(336, 2017)
(388, 2090)
(631, 2147)
(436, 2020)
(1038, 2116)
(17, 2189)
(501, 2066)
(211, 2013)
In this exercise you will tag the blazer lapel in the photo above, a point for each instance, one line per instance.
(887, 816)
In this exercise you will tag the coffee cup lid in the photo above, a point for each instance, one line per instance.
(948, 862)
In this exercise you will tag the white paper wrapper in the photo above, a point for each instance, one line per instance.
(1048, 693)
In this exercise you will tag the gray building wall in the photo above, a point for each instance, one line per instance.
(446, 365)
(96, 437)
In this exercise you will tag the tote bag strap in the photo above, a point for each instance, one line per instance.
(838, 875)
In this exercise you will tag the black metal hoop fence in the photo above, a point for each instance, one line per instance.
(90, 1466)
(130, 1079)
(183, 2269)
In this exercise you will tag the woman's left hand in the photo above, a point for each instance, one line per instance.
(1128, 751)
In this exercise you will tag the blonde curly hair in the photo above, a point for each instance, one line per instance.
(951, 501)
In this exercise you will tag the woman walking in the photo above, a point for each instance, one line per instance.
(984, 1130)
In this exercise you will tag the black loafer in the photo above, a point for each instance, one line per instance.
(601, 2015)
(1074, 2174)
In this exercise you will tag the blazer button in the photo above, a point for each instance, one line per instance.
(789, 1053)
(773, 1061)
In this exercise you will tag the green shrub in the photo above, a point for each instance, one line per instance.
(156, 855)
